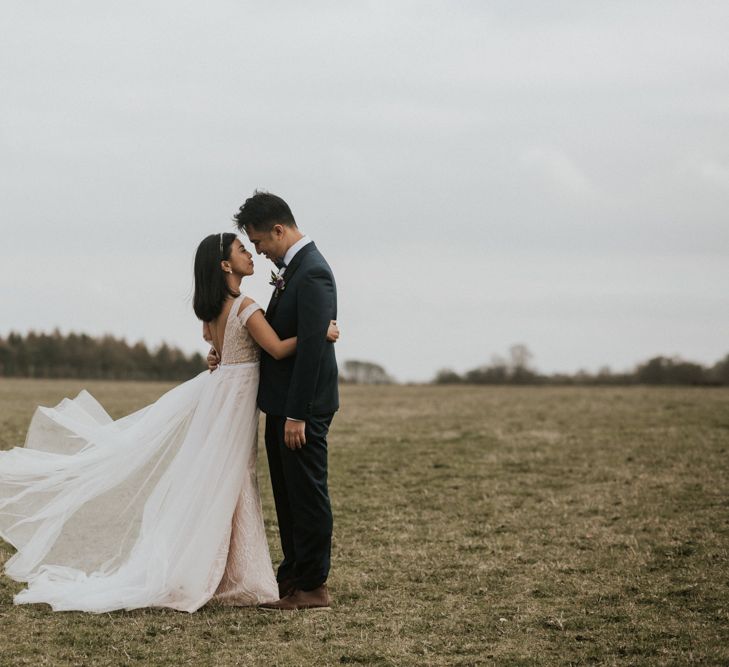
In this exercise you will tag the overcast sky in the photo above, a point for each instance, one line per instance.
(477, 173)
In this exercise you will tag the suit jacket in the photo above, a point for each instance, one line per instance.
(305, 384)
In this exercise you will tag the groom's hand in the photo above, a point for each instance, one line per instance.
(213, 359)
(294, 434)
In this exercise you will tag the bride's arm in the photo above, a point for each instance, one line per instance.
(268, 339)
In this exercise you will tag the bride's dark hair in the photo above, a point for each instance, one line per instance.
(211, 289)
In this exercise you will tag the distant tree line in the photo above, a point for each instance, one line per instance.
(40, 355)
(660, 370)
(55, 355)
(363, 372)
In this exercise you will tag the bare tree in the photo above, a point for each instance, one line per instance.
(521, 370)
(365, 372)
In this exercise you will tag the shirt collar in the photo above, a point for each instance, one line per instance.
(304, 240)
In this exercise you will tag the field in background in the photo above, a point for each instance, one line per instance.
(509, 526)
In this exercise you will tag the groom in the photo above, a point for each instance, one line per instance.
(299, 395)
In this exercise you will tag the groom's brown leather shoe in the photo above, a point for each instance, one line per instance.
(318, 599)
(286, 587)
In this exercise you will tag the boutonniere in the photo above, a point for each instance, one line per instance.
(277, 281)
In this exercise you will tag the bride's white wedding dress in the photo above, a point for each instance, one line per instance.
(157, 509)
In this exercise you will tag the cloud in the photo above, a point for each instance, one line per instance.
(713, 172)
(559, 172)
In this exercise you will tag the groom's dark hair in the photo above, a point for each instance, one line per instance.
(262, 211)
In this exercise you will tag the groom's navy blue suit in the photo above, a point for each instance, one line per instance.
(302, 387)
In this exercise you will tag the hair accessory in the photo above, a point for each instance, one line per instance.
(221, 244)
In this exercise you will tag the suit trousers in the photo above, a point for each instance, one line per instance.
(299, 481)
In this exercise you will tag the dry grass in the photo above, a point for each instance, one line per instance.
(472, 526)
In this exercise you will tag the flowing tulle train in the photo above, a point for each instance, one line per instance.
(160, 508)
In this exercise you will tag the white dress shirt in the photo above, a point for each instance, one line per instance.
(304, 240)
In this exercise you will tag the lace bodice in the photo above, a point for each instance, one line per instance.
(238, 344)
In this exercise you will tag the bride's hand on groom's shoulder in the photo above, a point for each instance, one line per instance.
(213, 359)
(333, 332)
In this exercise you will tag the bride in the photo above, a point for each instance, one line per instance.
(160, 508)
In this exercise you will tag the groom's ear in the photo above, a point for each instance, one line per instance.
(278, 231)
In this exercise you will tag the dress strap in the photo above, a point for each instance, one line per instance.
(234, 307)
(248, 311)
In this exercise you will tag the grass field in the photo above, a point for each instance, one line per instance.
(507, 526)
